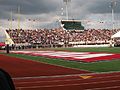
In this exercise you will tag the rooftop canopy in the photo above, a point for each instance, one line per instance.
(72, 24)
(117, 35)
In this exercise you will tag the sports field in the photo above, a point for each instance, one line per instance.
(101, 65)
(53, 69)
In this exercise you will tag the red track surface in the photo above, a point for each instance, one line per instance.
(28, 75)
(96, 82)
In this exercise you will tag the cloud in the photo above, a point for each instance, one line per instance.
(48, 10)
(103, 6)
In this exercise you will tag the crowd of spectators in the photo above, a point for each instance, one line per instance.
(58, 36)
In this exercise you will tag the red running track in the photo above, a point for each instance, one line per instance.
(17, 67)
(30, 75)
(26, 68)
(96, 82)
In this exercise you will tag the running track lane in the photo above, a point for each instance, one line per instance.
(96, 82)
(17, 67)
(20, 68)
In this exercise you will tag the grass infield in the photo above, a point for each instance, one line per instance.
(102, 66)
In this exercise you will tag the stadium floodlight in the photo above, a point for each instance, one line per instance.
(18, 17)
(113, 5)
(18, 20)
(62, 11)
(67, 1)
(11, 19)
(66, 4)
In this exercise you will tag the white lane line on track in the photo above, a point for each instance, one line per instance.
(112, 87)
(70, 79)
(112, 81)
(69, 75)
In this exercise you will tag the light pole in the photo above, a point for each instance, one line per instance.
(10, 21)
(113, 4)
(18, 20)
(18, 17)
(66, 5)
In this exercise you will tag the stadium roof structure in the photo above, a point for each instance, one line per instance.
(72, 24)
(117, 35)
(2, 35)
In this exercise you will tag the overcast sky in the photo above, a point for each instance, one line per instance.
(47, 12)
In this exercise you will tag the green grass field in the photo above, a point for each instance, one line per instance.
(99, 49)
(102, 66)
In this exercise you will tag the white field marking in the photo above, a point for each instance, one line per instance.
(33, 51)
(75, 55)
(91, 56)
(20, 52)
(63, 66)
(57, 54)
(52, 52)
(61, 85)
(53, 55)
(77, 79)
(60, 53)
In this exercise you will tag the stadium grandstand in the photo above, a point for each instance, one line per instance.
(42, 50)
(58, 37)
(2, 39)
(71, 33)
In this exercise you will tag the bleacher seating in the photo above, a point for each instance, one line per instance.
(59, 37)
